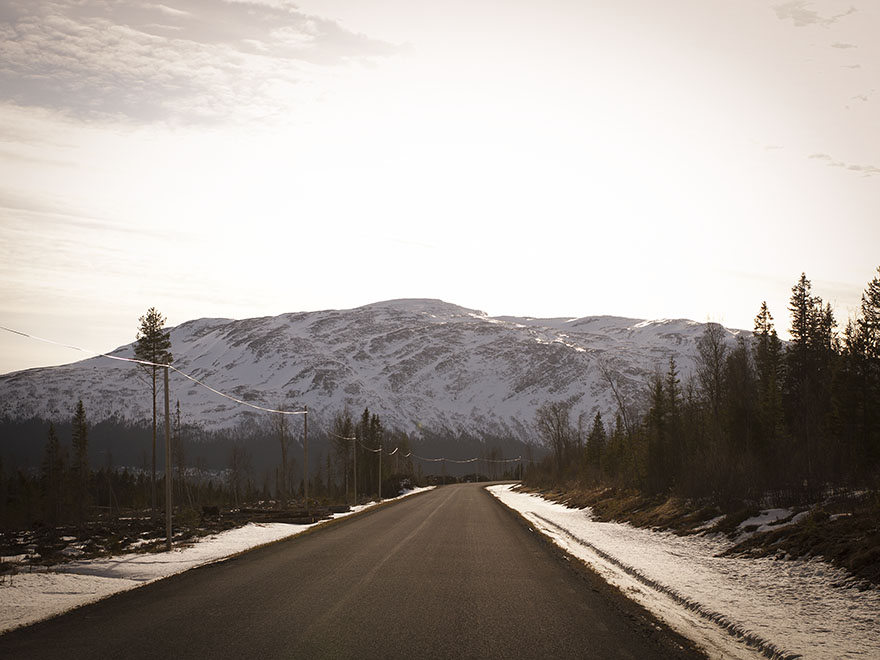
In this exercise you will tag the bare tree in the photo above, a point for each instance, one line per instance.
(623, 408)
(554, 428)
(711, 360)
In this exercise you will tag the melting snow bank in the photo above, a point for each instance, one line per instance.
(732, 607)
(26, 598)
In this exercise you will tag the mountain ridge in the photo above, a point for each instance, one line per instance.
(419, 363)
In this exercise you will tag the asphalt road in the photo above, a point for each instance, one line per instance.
(446, 574)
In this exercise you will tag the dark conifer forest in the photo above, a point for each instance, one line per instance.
(760, 420)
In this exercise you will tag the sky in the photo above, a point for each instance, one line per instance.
(565, 158)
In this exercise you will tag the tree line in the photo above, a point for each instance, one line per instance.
(361, 458)
(368, 458)
(66, 489)
(759, 420)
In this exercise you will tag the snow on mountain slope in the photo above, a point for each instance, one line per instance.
(417, 363)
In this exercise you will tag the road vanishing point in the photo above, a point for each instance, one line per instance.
(450, 573)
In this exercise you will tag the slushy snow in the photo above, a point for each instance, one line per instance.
(732, 607)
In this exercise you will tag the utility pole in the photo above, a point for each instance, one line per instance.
(380, 471)
(354, 462)
(167, 467)
(306, 457)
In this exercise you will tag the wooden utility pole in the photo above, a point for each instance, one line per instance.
(354, 462)
(306, 457)
(167, 467)
(380, 471)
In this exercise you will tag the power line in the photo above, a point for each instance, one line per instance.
(252, 405)
(155, 364)
(467, 460)
(365, 448)
(431, 460)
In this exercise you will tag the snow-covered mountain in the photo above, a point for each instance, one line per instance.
(419, 364)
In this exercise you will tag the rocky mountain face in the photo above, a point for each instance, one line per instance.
(419, 364)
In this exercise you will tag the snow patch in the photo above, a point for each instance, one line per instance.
(26, 598)
(734, 607)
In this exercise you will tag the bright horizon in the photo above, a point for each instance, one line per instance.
(558, 159)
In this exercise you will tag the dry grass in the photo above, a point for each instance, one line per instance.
(624, 505)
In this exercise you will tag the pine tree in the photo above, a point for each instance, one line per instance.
(673, 421)
(52, 477)
(364, 465)
(377, 434)
(741, 406)
(869, 330)
(869, 319)
(596, 441)
(178, 446)
(342, 431)
(858, 396)
(658, 477)
(283, 476)
(767, 354)
(154, 346)
(809, 365)
(80, 467)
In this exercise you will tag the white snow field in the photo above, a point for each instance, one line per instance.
(731, 607)
(425, 364)
(28, 597)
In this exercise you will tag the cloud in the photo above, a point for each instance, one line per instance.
(182, 60)
(864, 170)
(801, 15)
(47, 213)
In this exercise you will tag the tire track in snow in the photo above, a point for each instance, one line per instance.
(752, 639)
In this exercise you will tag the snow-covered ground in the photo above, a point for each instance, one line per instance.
(732, 607)
(29, 597)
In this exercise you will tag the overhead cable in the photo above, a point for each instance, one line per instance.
(155, 364)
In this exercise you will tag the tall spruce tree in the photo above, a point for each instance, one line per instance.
(596, 441)
(80, 466)
(869, 329)
(742, 420)
(869, 320)
(154, 346)
(342, 431)
(809, 363)
(282, 482)
(767, 354)
(657, 475)
(673, 424)
(859, 399)
(53, 477)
